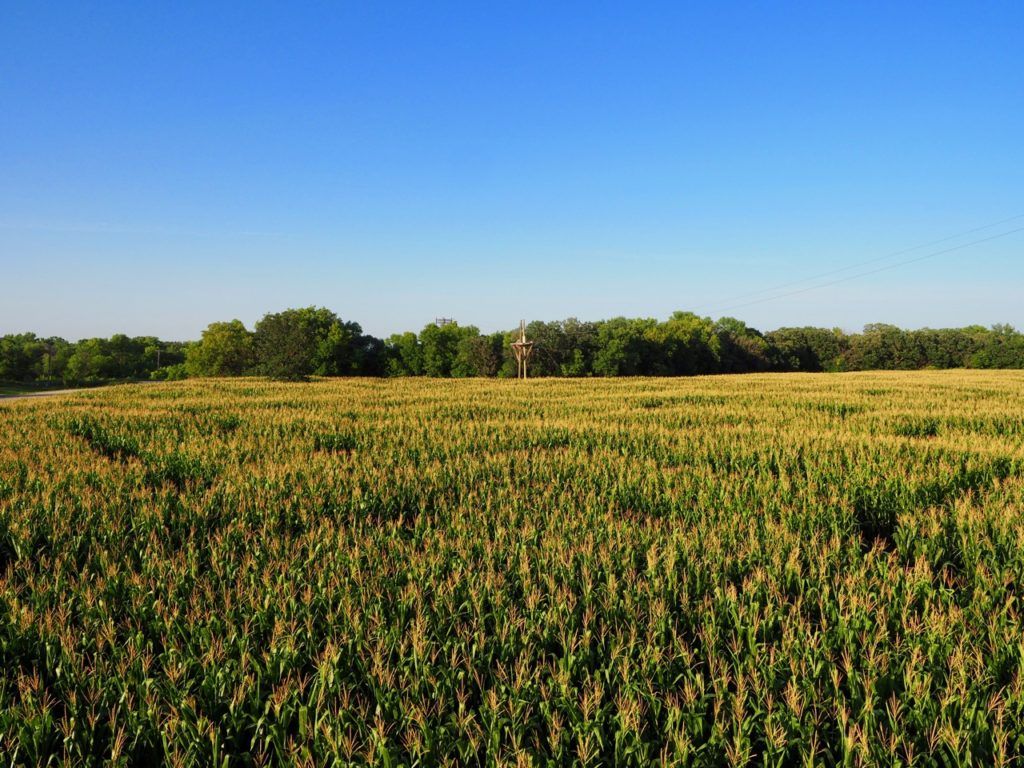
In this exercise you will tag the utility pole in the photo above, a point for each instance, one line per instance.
(51, 353)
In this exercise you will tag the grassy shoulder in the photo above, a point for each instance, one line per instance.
(17, 388)
(27, 388)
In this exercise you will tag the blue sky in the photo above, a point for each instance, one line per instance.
(168, 165)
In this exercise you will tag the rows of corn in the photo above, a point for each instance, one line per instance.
(755, 570)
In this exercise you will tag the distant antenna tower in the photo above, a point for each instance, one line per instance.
(441, 322)
(522, 349)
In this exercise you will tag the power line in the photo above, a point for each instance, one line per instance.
(874, 271)
(874, 260)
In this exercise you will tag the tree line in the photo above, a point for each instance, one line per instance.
(299, 343)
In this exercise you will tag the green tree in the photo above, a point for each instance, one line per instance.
(371, 357)
(625, 347)
(1002, 347)
(477, 355)
(580, 340)
(741, 349)
(165, 360)
(298, 343)
(56, 353)
(550, 347)
(21, 357)
(89, 363)
(686, 345)
(405, 355)
(337, 351)
(126, 356)
(806, 349)
(440, 345)
(225, 349)
(881, 347)
(286, 345)
(943, 348)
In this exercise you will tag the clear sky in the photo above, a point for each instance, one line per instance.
(165, 165)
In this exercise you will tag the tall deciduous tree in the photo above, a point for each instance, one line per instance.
(225, 349)
(298, 343)
(286, 345)
(405, 355)
(806, 349)
(440, 346)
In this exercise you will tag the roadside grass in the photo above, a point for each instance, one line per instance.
(27, 388)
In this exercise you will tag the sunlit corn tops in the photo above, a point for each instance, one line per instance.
(754, 570)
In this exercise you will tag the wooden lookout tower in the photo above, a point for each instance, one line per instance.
(522, 349)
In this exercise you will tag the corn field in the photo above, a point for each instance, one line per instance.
(764, 570)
